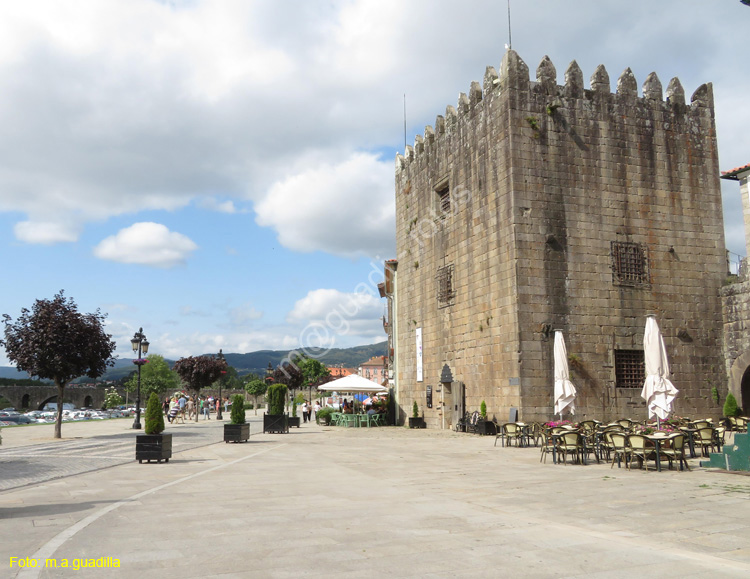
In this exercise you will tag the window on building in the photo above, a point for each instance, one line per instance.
(629, 264)
(443, 198)
(630, 369)
(445, 291)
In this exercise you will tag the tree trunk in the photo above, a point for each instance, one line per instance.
(60, 393)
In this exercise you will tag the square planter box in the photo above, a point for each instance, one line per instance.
(293, 421)
(417, 422)
(236, 432)
(486, 427)
(150, 447)
(275, 423)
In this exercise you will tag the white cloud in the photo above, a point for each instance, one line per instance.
(147, 243)
(213, 204)
(112, 107)
(45, 232)
(244, 315)
(329, 318)
(346, 209)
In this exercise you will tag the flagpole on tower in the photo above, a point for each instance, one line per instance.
(510, 37)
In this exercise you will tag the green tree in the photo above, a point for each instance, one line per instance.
(231, 380)
(156, 376)
(199, 372)
(111, 398)
(54, 341)
(255, 388)
(314, 372)
(290, 374)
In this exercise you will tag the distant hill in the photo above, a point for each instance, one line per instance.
(255, 362)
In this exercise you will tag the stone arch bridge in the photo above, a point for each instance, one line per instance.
(35, 397)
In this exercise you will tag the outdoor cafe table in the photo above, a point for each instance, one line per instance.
(658, 438)
(524, 438)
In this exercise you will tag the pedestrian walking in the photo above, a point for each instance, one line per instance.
(174, 409)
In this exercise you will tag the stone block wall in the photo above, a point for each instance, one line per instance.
(542, 179)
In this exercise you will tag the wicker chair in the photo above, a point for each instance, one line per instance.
(642, 449)
(706, 439)
(618, 443)
(674, 449)
(571, 443)
(547, 445)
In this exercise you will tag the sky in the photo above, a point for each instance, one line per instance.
(221, 172)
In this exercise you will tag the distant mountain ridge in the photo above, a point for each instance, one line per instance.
(255, 362)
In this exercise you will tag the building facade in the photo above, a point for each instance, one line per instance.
(533, 206)
(736, 305)
(375, 370)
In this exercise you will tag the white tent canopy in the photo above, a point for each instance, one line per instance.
(565, 392)
(658, 391)
(354, 384)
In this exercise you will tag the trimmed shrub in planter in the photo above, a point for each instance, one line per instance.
(237, 430)
(153, 445)
(730, 406)
(416, 421)
(276, 397)
(275, 420)
(323, 416)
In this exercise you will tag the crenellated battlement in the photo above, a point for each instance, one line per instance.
(514, 77)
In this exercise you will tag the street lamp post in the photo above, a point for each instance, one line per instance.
(218, 411)
(140, 345)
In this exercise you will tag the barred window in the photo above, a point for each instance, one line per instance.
(443, 199)
(445, 292)
(630, 370)
(629, 264)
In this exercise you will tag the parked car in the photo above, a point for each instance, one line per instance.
(52, 406)
(15, 418)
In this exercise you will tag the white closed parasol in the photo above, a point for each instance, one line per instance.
(658, 391)
(565, 392)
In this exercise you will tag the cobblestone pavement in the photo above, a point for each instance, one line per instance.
(32, 464)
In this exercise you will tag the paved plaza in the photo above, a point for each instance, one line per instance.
(334, 502)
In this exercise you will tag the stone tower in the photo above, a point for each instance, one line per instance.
(532, 207)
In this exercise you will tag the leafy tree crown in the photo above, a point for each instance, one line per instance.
(55, 341)
(199, 371)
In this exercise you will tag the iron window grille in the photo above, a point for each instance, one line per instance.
(443, 200)
(629, 264)
(630, 369)
(445, 291)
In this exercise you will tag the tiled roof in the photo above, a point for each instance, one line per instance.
(375, 361)
(734, 172)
